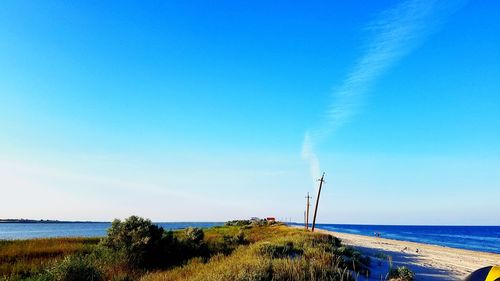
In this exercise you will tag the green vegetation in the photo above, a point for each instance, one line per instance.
(401, 273)
(273, 252)
(250, 223)
(136, 249)
(26, 257)
(76, 268)
(142, 243)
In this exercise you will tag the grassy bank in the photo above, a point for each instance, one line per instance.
(27, 257)
(135, 249)
(275, 253)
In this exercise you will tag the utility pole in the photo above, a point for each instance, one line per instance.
(307, 211)
(321, 181)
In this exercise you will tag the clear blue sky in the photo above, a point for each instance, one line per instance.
(198, 110)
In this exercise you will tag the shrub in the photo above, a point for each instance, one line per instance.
(239, 223)
(111, 263)
(401, 273)
(74, 268)
(352, 258)
(336, 242)
(240, 238)
(194, 234)
(138, 238)
(279, 251)
(193, 245)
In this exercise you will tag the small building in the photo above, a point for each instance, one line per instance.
(270, 219)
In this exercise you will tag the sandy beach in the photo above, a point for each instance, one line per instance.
(430, 262)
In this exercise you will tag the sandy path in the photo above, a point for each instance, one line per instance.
(430, 263)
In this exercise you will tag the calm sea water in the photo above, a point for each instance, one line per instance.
(81, 229)
(478, 238)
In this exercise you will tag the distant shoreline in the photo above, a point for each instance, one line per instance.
(58, 221)
(22, 230)
(46, 221)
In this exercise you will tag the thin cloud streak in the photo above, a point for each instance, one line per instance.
(311, 157)
(396, 33)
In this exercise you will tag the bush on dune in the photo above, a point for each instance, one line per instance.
(112, 264)
(139, 239)
(147, 246)
(251, 223)
(240, 238)
(194, 234)
(75, 268)
(239, 223)
(401, 273)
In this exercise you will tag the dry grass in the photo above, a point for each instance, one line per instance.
(20, 257)
(273, 252)
(276, 253)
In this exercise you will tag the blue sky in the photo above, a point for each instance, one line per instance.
(198, 110)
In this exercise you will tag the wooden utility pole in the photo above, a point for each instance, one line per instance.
(321, 180)
(307, 211)
(304, 218)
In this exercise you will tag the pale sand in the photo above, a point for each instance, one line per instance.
(430, 263)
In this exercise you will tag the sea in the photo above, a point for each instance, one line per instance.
(477, 238)
(11, 231)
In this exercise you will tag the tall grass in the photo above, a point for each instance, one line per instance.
(227, 253)
(277, 253)
(26, 257)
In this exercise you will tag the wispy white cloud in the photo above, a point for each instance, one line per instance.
(311, 157)
(396, 33)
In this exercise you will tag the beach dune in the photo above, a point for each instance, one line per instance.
(428, 262)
